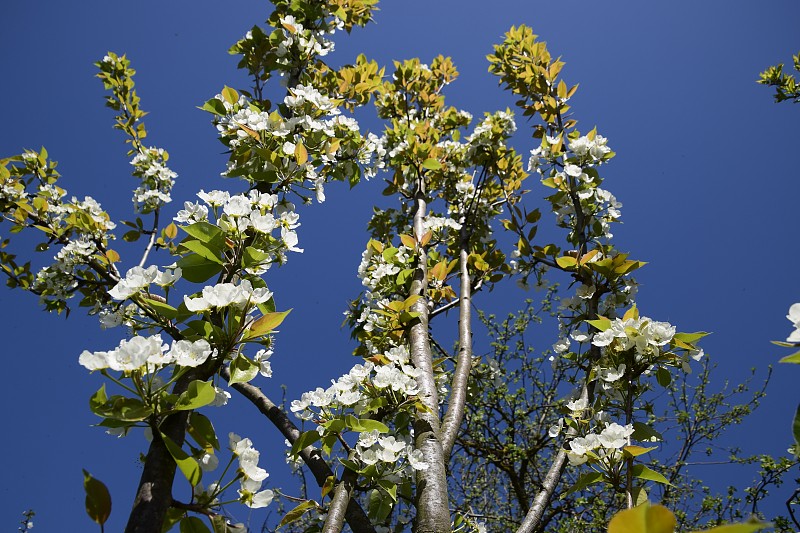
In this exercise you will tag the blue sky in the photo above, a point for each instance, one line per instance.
(706, 170)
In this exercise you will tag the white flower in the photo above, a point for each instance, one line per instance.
(135, 279)
(221, 398)
(208, 462)
(237, 206)
(214, 198)
(578, 405)
(191, 212)
(168, 278)
(615, 435)
(248, 464)
(561, 346)
(225, 294)
(134, 353)
(612, 374)
(794, 318)
(93, 360)
(261, 499)
(573, 170)
(191, 354)
(263, 223)
(582, 445)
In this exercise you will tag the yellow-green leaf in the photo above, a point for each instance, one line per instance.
(643, 518)
(297, 512)
(230, 95)
(794, 358)
(635, 451)
(187, 465)
(300, 153)
(431, 164)
(566, 261)
(631, 314)
(643, 472)
(744, 527)
(266, 323)
(408, 241)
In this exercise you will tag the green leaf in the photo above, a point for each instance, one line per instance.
(173, 517)
(165, 310)
(663, 377)
(253, 256)
(365, 425)
(202, 431)
(196, 395)
(794, 358)
(690, 338)
(431, 164)
(643, 518)
(243, 369)
(601, 324)
(297, 512)
(389, 487)
(197, 269)
(379, 506)
(121, 408)
(187, 465)
(266, 323)
(215, 106)
(404, 276)
(204, 250)
(642, 472)
(307, 438)
(98, 399)
(584, 481)
(204, 232)
(644, 433)
(98, 499)
(131, 236)
(192, 524)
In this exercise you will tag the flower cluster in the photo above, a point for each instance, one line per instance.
(156, 179)
(139, 278)
(227, 294)
(252, 217)
(603, 446)
(251, 476)
(643, 335)
(392, 382)
(148, 354)
(313, 144)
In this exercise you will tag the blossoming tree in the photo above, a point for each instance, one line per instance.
(200, 315)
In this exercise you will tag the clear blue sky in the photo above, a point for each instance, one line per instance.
(706, 169)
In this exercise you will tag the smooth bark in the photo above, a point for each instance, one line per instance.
(458, 395)
(433, 512)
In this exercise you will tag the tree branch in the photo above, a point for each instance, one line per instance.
(433, 511)
(355, 515)
(458, 395)
(341, 500)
